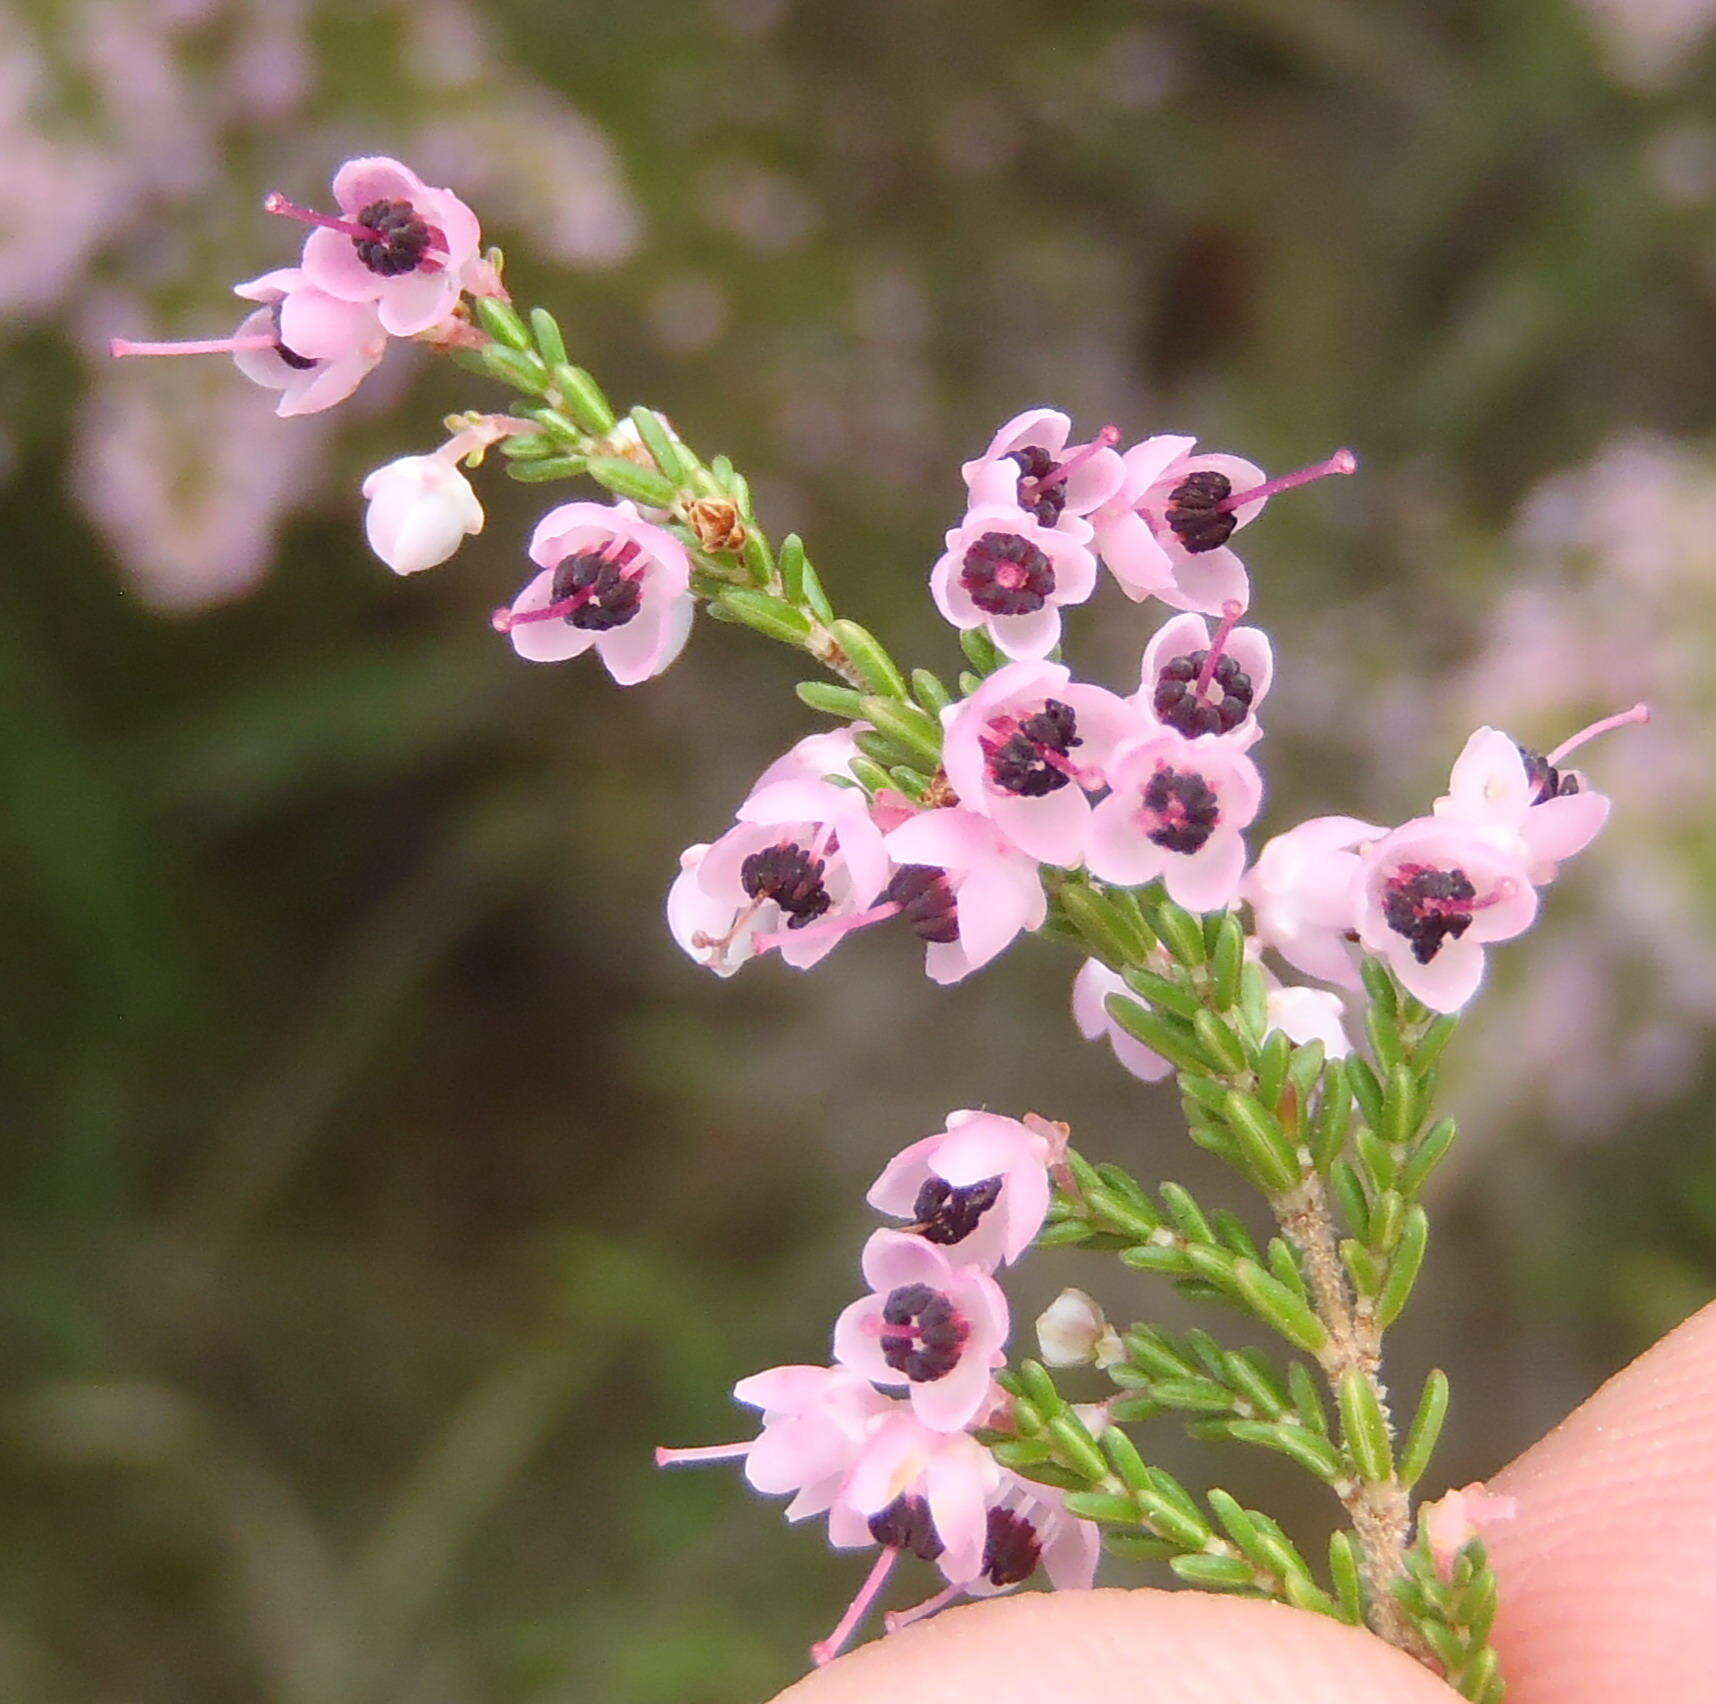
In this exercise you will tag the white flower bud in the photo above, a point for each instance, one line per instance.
(420, 509)
(1310, 1014)
(1072, 1332)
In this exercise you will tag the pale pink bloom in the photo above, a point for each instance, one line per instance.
(814, 758)
(1091, 989)
(421, 508)
(1310, 1014)
(1176, 811)
(912, 1489)
(611, 580)
(1455, 1519)
(1531, 806)
(311, 347)
(1007, 573)
(1165, 532)
(1431, 894)
(979, 1188)
(963, 887)
(1201, 686)
(803, 858)
(1029, 465)
(398, 243)
(1304, 898)
(816, 1421)
(1073, 1331)
(1025, 746)
(929, 1325)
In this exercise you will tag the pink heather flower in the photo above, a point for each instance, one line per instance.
(311, 347)
(816, 1421)
(963, 888)
(1431, 894)
(420, 510)
(915, 1489)
(1533, 807)
(1199, 685)
(409, 249)
(1008, 573)
(1176, 811)
(928, 1324)
(1304, 898)
(1165, 532)
(814, 758)
(803, 858)
(1028, 465)
(1091, 989)
(610, 580)
(1025, 746)
(1457, 1517)
(980, 1188)
(1309, 1014)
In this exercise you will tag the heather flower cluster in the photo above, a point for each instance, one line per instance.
(1024, 800)
(904, 1472)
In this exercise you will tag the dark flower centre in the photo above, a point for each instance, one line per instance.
(922, 1335)
(1219, 709)
(1428, 907)
(926, 901)
(1546, 781)
(1021, 763)
(791, 878)
(1043, 499)
(947, 1213)
(1191, 511)
(1011, 1548)
(906, 1525)
(299, 363)
(609, 598)
(1185, 809)
(401, 238)
(1007, 575)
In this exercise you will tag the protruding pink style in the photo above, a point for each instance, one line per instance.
(803, 859)
(311, 347)
(1206, 686)
(1010, 574)
(814, 1426)
(410, 249)
(1091, 989)
(1432, 894)
(1025, 747)
(612, 582)
(1030, 465)
(979, 1188)
(1303, 894)
(1177, 810)
(964, 889)
(935, 1327)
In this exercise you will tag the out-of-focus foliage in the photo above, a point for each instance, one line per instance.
(379, 1182)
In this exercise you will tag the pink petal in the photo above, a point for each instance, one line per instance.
(1026, 637)
(1449, 980)
(1209, 879)
(374, 177)
(1206, 581)
(1136, 560)
(1052, 828)
(546, 641)
(1117, 850)
(857, 1343)
(1559, 828)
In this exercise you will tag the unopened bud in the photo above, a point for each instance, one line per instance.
(420, 509)
(1073, 1332)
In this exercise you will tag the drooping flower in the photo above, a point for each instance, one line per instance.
(1029, 465)
(1025, 746)
(1165, 531)
(410, 249)
(963, 887)
(1530, 803)
(815, 1422)
(1072, 1331)
(1303, 896)
(814, 758)
(311, 347)
(1091, 989)
(979, 1188)
(1007, 573)
(610, 580)
(1199, 685)
(1176, 811)
(1309, 1014)
(421, 508)
(1432, 894)
(928, 1324)
(803, 858)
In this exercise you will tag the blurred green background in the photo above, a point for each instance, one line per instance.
(379, 1182)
